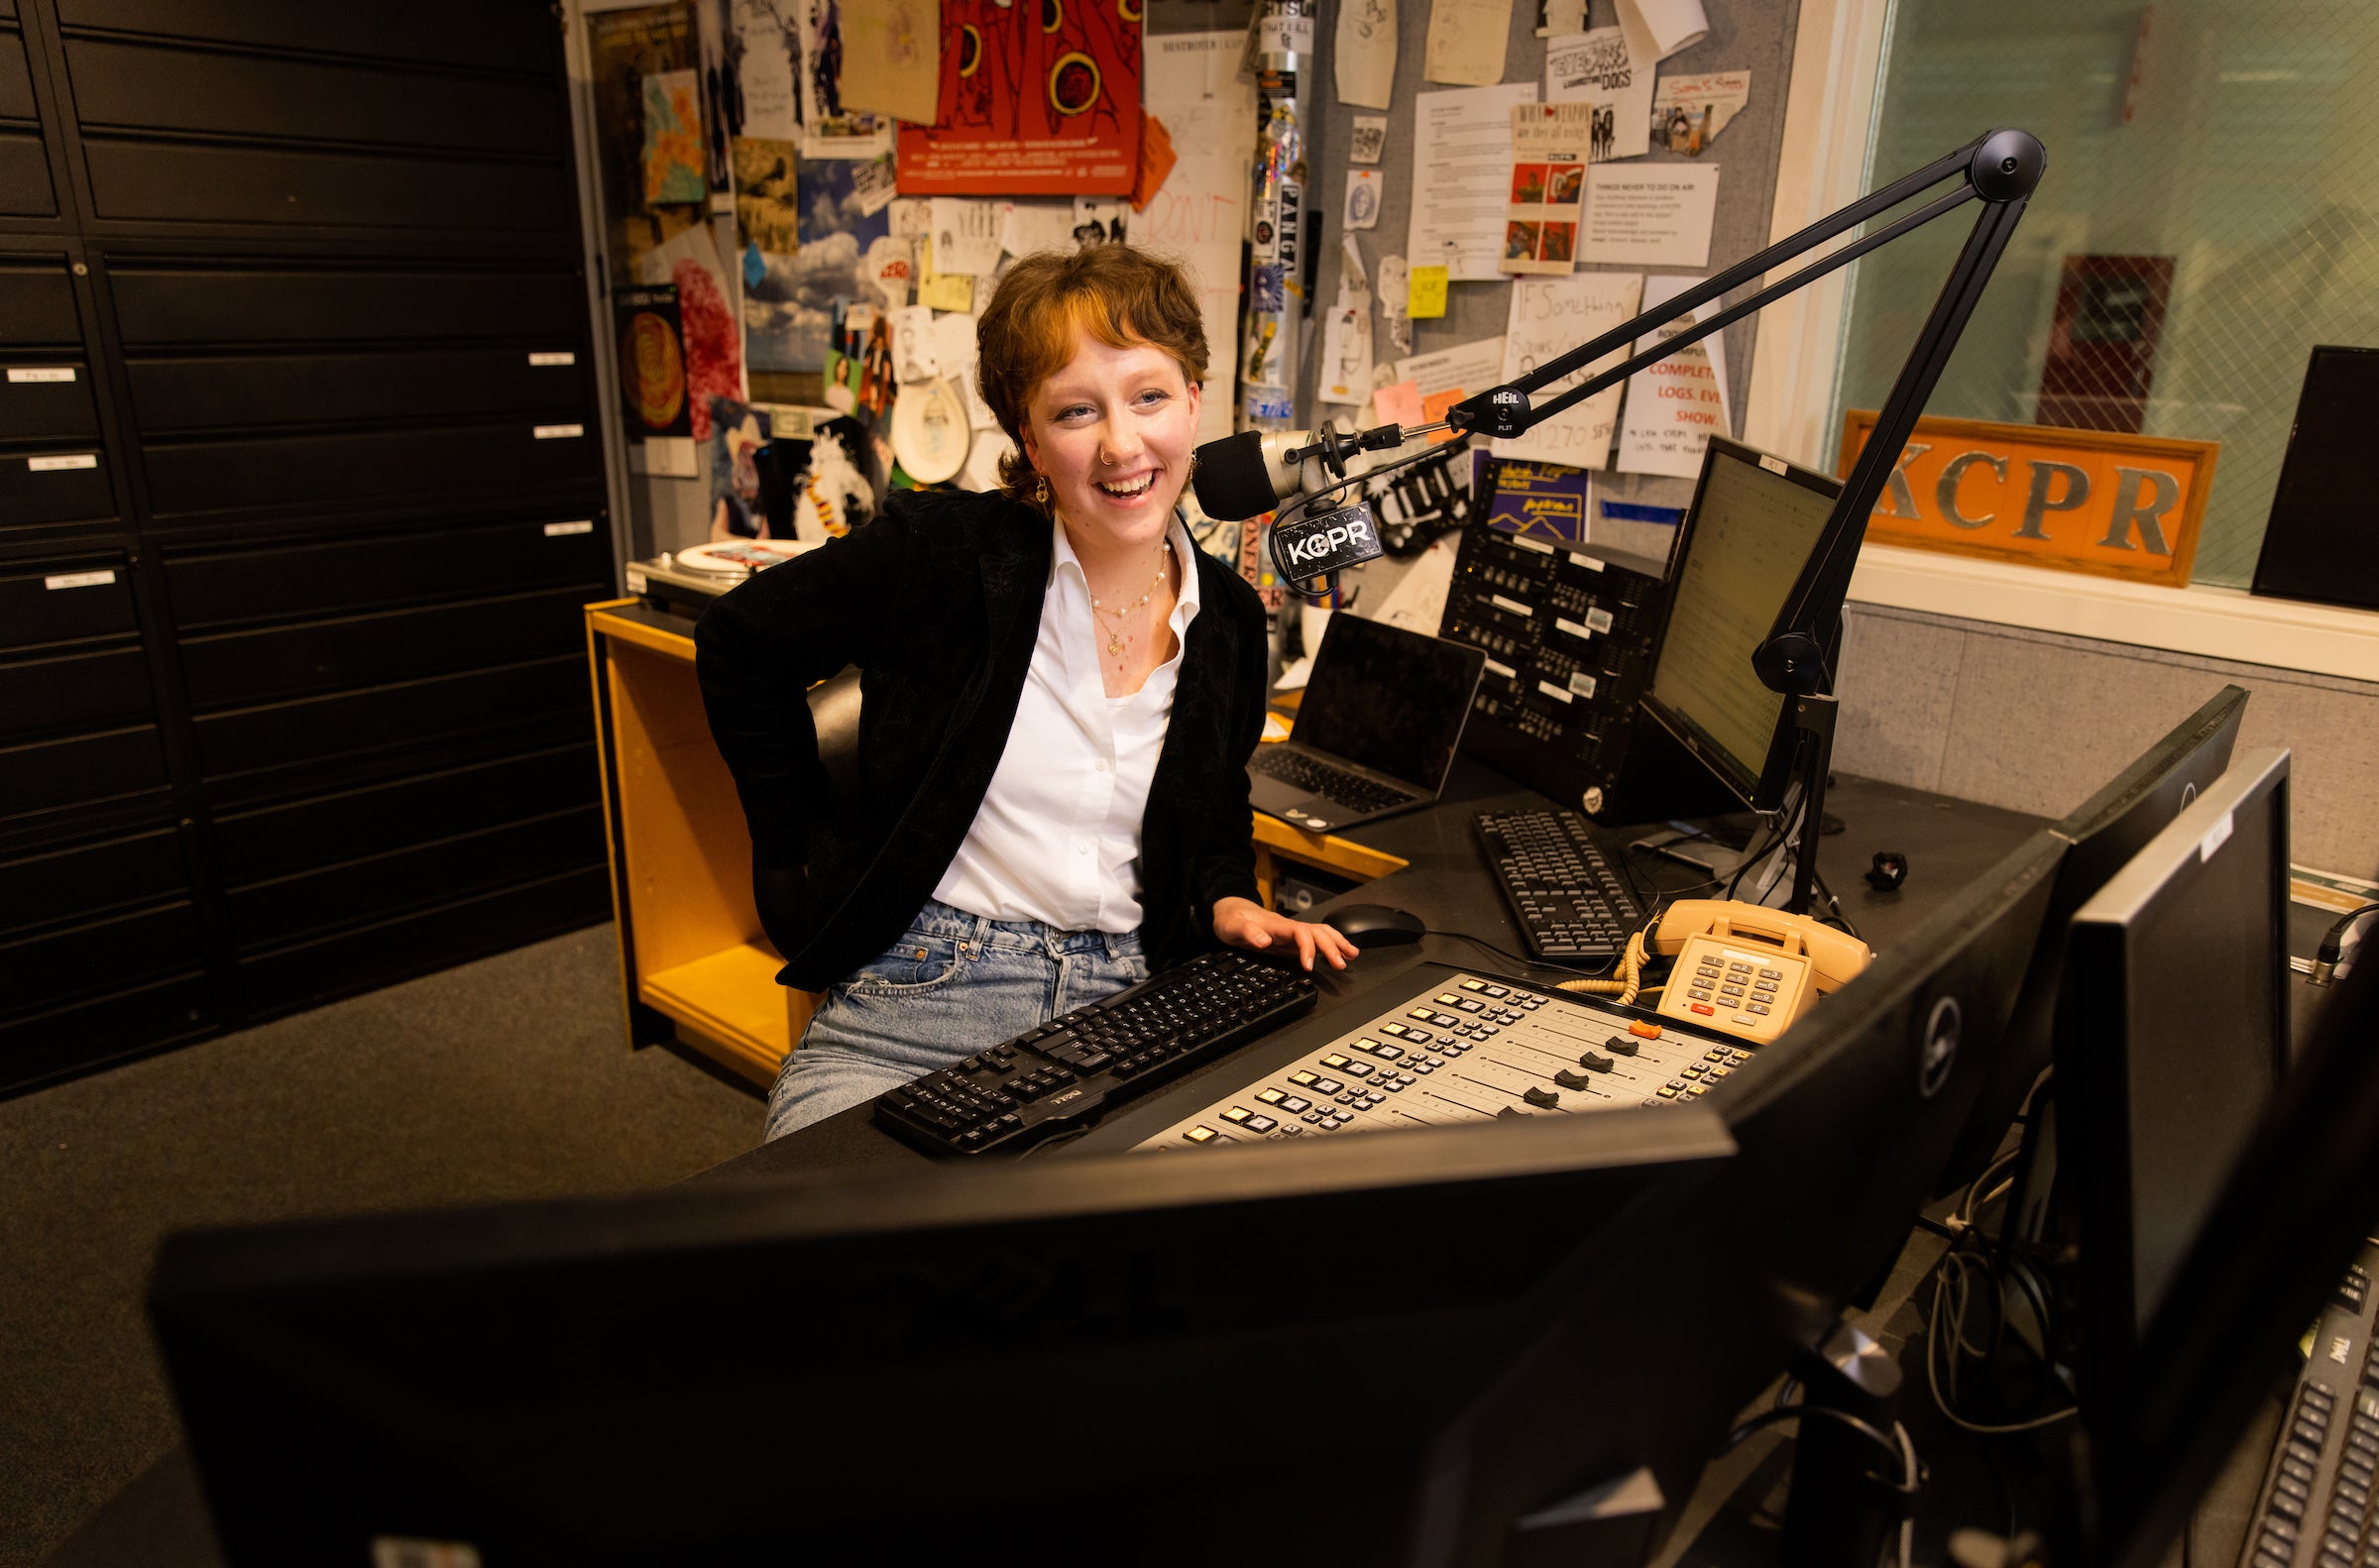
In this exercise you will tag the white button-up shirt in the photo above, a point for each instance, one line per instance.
(1058, 837)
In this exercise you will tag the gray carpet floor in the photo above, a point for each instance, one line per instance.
(506, 1078)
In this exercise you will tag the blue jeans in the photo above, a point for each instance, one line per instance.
(955, 984)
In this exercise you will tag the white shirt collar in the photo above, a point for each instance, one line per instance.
(1185, 603)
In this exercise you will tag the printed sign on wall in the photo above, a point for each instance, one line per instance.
(2077, 500)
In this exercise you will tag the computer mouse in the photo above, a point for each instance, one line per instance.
(1370, 925)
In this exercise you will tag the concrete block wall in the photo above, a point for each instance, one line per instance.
(2037, 721)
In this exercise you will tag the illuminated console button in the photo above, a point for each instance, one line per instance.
(1302, 1078)
(1334, 1060)
(1271, 1096)
(1446, 1000)
(1202, 1135)
(1720, 1053)
(1645, 1031)
(1366, 1043)
(1667, 1093)
(1237, 1113)
(1424, 1014)
(1398, 1030)
(1474, 985)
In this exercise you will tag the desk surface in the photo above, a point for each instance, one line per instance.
(1447, 883)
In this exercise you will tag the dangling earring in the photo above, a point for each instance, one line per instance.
(1041, 492)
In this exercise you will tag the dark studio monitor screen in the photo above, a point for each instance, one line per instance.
(1754, 524)
(1388, 699)
(2176, 1031)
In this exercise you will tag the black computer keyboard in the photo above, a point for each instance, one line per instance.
(1336, 785)
(2316, 1503)
(1069, 1070)
(1568, 901)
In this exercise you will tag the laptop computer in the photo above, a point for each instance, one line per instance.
(1376, 733)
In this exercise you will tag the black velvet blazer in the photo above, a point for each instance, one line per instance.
(938, 602)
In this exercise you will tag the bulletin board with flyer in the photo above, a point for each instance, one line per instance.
(806, 204)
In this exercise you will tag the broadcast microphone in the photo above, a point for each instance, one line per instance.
(1255, 471)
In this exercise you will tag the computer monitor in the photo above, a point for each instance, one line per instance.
(1754, 522)
(1851, 1113)
(2105, 831)
(1320, 1352)
(2273, 1241)
(1388, 699)
(2316, 546)
(2174, 1032)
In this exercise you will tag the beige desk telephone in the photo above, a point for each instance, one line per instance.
(1748, 970)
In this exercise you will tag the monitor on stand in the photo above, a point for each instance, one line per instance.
(2105, 831)
(2206, 1291)
(2172, 1035)
(1754, 522)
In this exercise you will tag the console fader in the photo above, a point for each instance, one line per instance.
(1469, 1049)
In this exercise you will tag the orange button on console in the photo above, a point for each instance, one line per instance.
(1648, 1031)
(1700, 1007)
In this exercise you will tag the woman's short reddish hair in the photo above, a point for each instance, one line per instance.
(1121, 296)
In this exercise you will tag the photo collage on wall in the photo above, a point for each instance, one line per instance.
(788, 181)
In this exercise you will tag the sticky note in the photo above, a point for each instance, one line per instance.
(941, 290)
(1398, 405)
(1427, 297)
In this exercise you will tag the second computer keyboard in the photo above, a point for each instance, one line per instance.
(2316, 1505)
(1064, 1075)
(1569, 903)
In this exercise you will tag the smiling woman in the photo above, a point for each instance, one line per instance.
(1060, 694)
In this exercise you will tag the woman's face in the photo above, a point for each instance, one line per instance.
(1111, 431)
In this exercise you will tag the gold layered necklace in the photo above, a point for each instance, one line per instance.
(1115, 636)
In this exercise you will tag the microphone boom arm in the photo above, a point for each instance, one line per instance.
(2000, 169)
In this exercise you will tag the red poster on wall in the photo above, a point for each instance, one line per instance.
(1037, 97)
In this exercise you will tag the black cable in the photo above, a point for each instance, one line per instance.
(1868, 1430)
(1750, 859)
(1838, 918)
(1602, 973)
(2325, 959)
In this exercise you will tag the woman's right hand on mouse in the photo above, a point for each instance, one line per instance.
(1244, 923)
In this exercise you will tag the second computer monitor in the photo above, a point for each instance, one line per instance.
(1754, 522)
(2174, 1032)
(2105, 831)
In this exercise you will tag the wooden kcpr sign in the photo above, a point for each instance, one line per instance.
(2079, 501)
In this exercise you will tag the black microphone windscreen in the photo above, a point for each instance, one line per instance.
(1233, 480)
